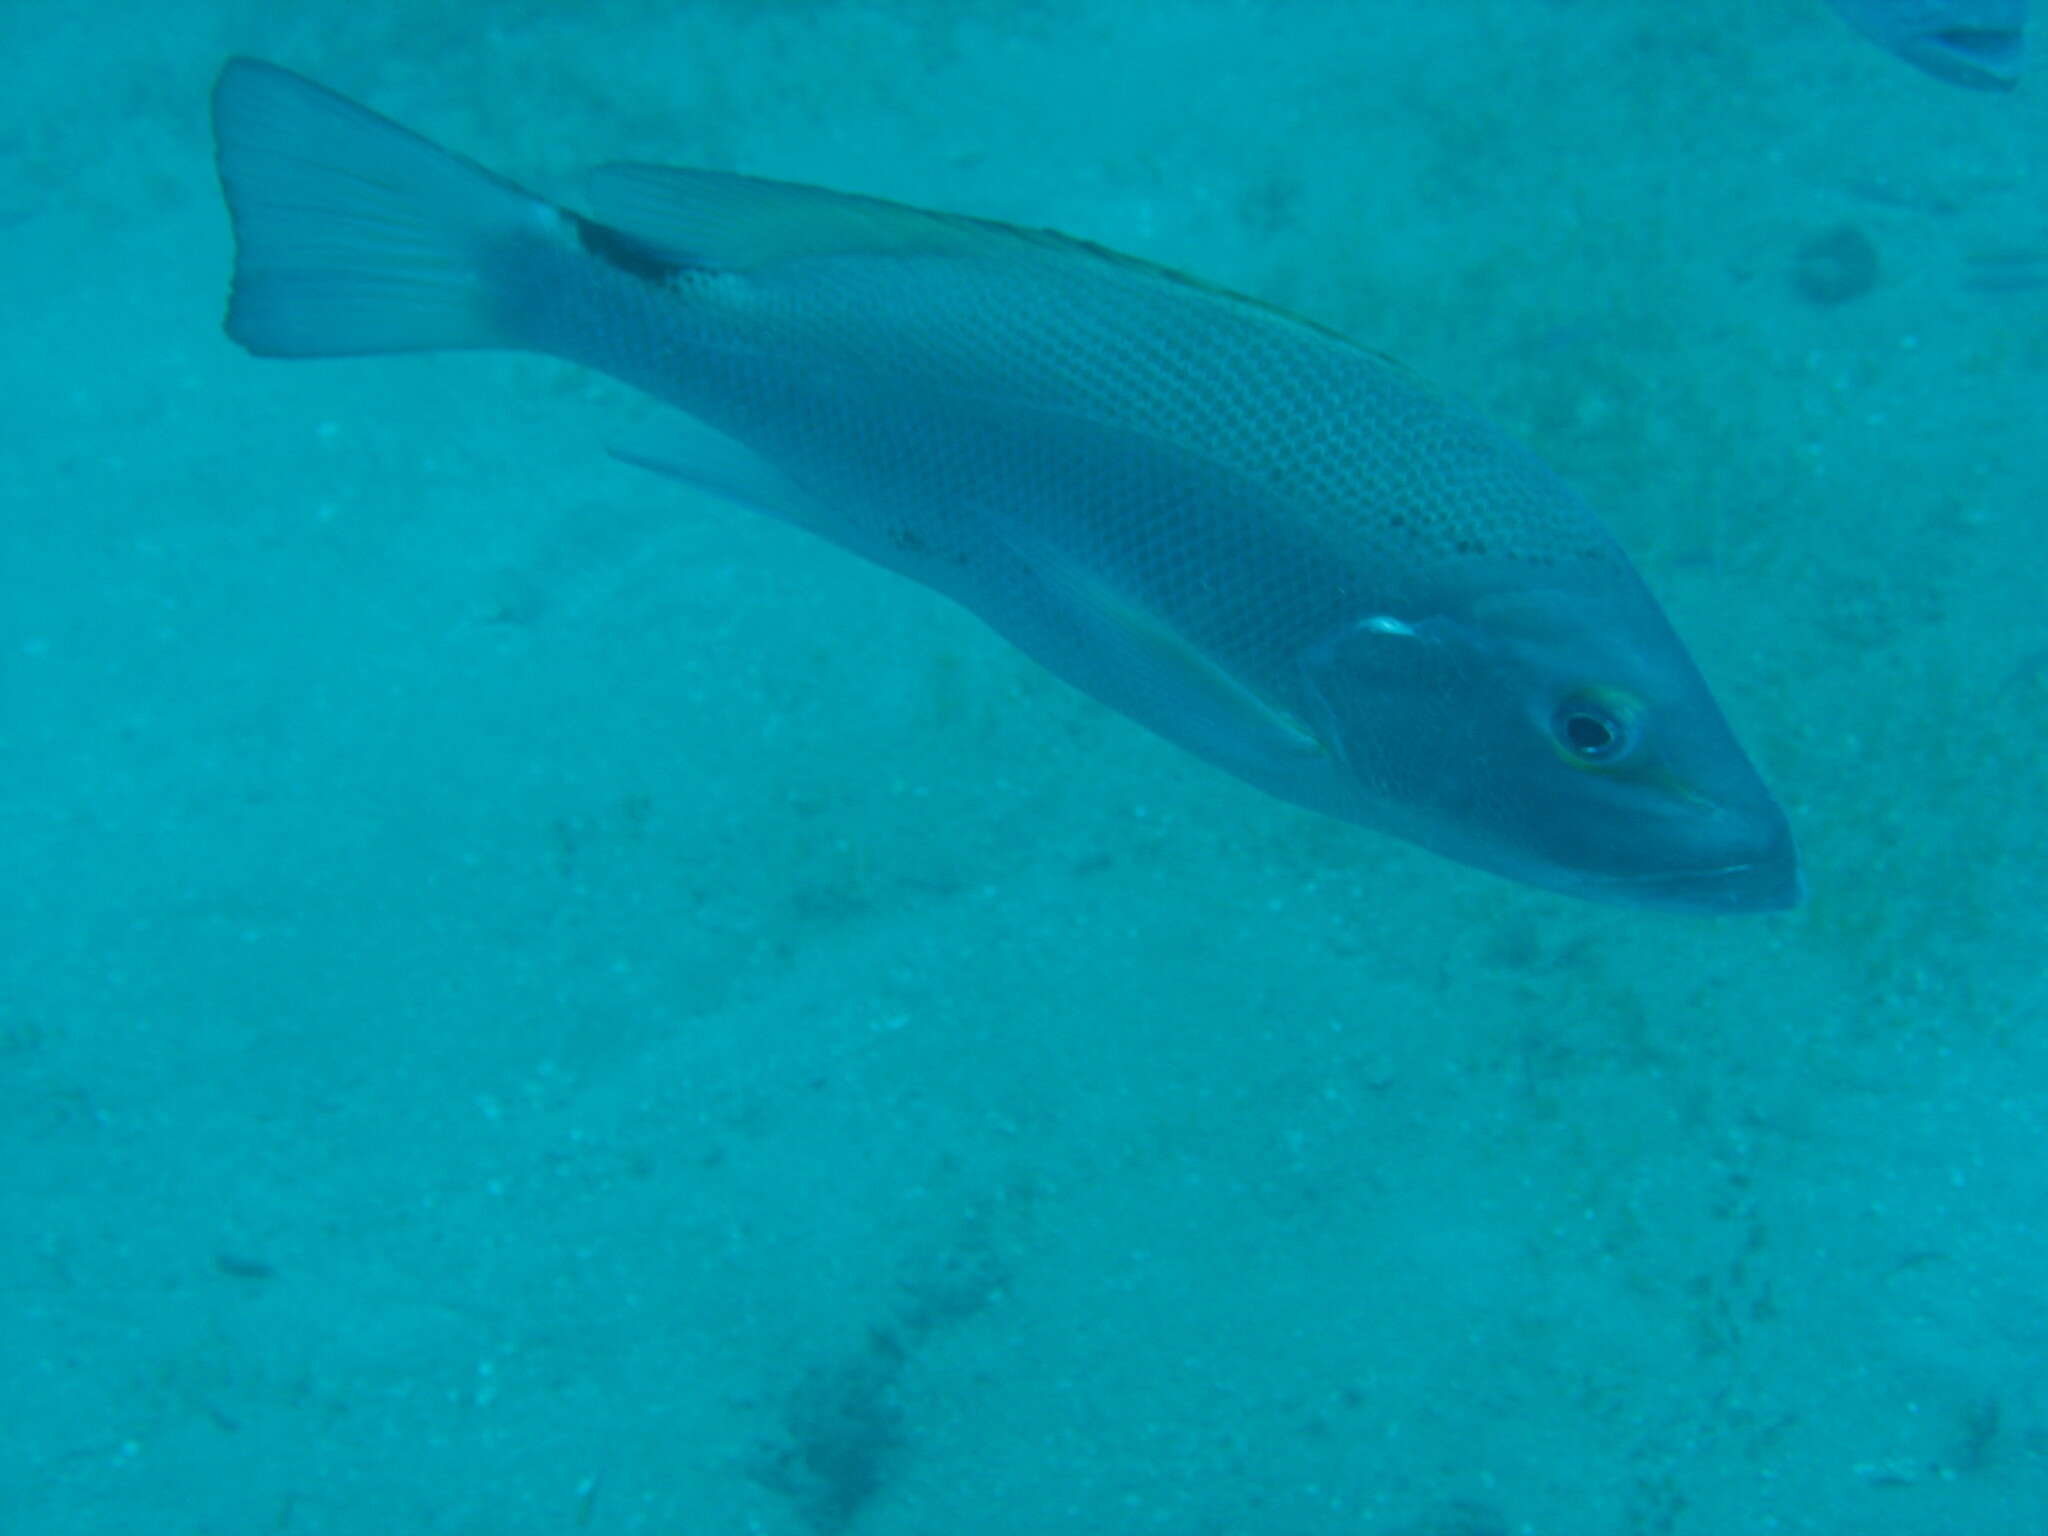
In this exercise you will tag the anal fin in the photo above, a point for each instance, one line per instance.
(685, 449)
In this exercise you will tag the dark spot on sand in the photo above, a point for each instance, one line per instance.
(1835, 266)
(842, 1438)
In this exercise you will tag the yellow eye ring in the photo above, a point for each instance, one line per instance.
(1596, 727)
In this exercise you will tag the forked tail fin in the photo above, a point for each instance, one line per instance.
(352, 234)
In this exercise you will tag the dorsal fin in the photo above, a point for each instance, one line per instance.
(737, 223)
(726, 222)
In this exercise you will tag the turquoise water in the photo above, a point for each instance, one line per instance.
(535, 1001)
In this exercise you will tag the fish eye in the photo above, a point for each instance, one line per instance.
(1596, 726)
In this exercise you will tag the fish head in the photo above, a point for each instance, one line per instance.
(1558, 735)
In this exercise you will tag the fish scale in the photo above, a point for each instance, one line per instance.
(1277, 549)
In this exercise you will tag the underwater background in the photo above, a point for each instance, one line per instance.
(535, 1000)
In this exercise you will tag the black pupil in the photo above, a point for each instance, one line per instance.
(1588, 735)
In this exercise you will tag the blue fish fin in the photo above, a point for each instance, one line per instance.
(723, 222)
(732, 223)
(1206, 700)
(354, 235)
(685, 449)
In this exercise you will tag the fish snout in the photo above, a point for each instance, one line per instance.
(1743, 862)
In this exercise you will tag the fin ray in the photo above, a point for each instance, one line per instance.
(1206, 695)
(737, 223)
(352, 234)
(686, 449)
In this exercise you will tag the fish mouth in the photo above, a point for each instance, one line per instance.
(1759, 885)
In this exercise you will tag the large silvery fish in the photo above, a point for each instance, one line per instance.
(1978, 43)
(1278, 550)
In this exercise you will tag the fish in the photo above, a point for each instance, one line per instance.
(1981, 44)
(1275, 548)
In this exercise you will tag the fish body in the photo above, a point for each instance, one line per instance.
(1977, 43)
(1275, 548)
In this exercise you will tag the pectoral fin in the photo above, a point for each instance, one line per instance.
(1210, 702)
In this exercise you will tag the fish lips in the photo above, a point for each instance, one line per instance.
(1771, 881)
